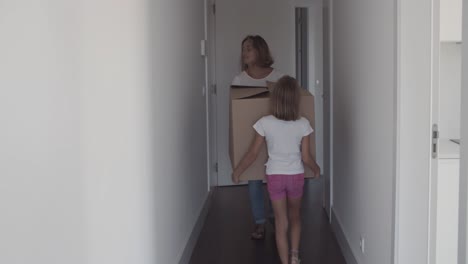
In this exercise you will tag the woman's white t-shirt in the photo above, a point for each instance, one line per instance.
(243, 79)
(283, 143)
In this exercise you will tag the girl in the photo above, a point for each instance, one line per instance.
(256, 62)
(287, 135)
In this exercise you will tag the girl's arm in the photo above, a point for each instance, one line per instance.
(249, 157)
(307, 158)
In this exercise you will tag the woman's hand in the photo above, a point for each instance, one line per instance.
(307, 158)
(235, 177)
(315, 170)
(248, 158)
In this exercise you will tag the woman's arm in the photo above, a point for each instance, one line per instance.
(248, 158)
(307, 158)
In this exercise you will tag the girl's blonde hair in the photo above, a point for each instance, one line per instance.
(285, 99)
(264, 56)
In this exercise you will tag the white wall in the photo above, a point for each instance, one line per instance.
(449, 93)
(179, 121)
(103, 143)
(117, 136)
(364, 101)
(41, 188)
(144, 128)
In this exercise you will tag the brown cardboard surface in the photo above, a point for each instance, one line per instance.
(249, 104)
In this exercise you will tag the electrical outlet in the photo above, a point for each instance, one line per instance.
(362, 244)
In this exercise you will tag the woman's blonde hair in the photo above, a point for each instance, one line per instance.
(264, 56)
(285, 99)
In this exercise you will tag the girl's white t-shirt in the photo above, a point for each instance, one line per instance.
(283, 143)
(243, 79)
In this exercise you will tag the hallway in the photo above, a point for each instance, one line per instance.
(110, 139)
(225, 235)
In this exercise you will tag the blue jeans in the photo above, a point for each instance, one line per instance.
(257, 201)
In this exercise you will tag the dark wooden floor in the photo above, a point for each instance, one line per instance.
(225, 237)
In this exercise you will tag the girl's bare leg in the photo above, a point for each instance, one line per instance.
(294, 211)
(281, 225)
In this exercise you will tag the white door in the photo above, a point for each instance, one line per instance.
(415, 183)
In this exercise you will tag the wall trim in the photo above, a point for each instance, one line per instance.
(192, 240)
(342, 241)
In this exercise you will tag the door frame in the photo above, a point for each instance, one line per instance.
(328, 10)
(435, 106)
(463, 202)
(210, 88)
(211, 35)
(322, 93)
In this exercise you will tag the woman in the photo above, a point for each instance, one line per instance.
(256, 63)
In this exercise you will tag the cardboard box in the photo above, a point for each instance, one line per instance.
(248, 105)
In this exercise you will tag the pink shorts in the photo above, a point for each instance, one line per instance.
(281, 185)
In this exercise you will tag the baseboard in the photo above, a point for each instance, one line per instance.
(342, 241)
(192, 241)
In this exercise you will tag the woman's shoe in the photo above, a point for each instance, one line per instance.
(259, 232)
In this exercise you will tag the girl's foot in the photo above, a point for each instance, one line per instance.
(259, 232)
(295, 257)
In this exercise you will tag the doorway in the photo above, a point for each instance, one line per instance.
(426, 186)
(275, 22)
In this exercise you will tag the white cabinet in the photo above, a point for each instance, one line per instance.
(450, 20)
(447, 203)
